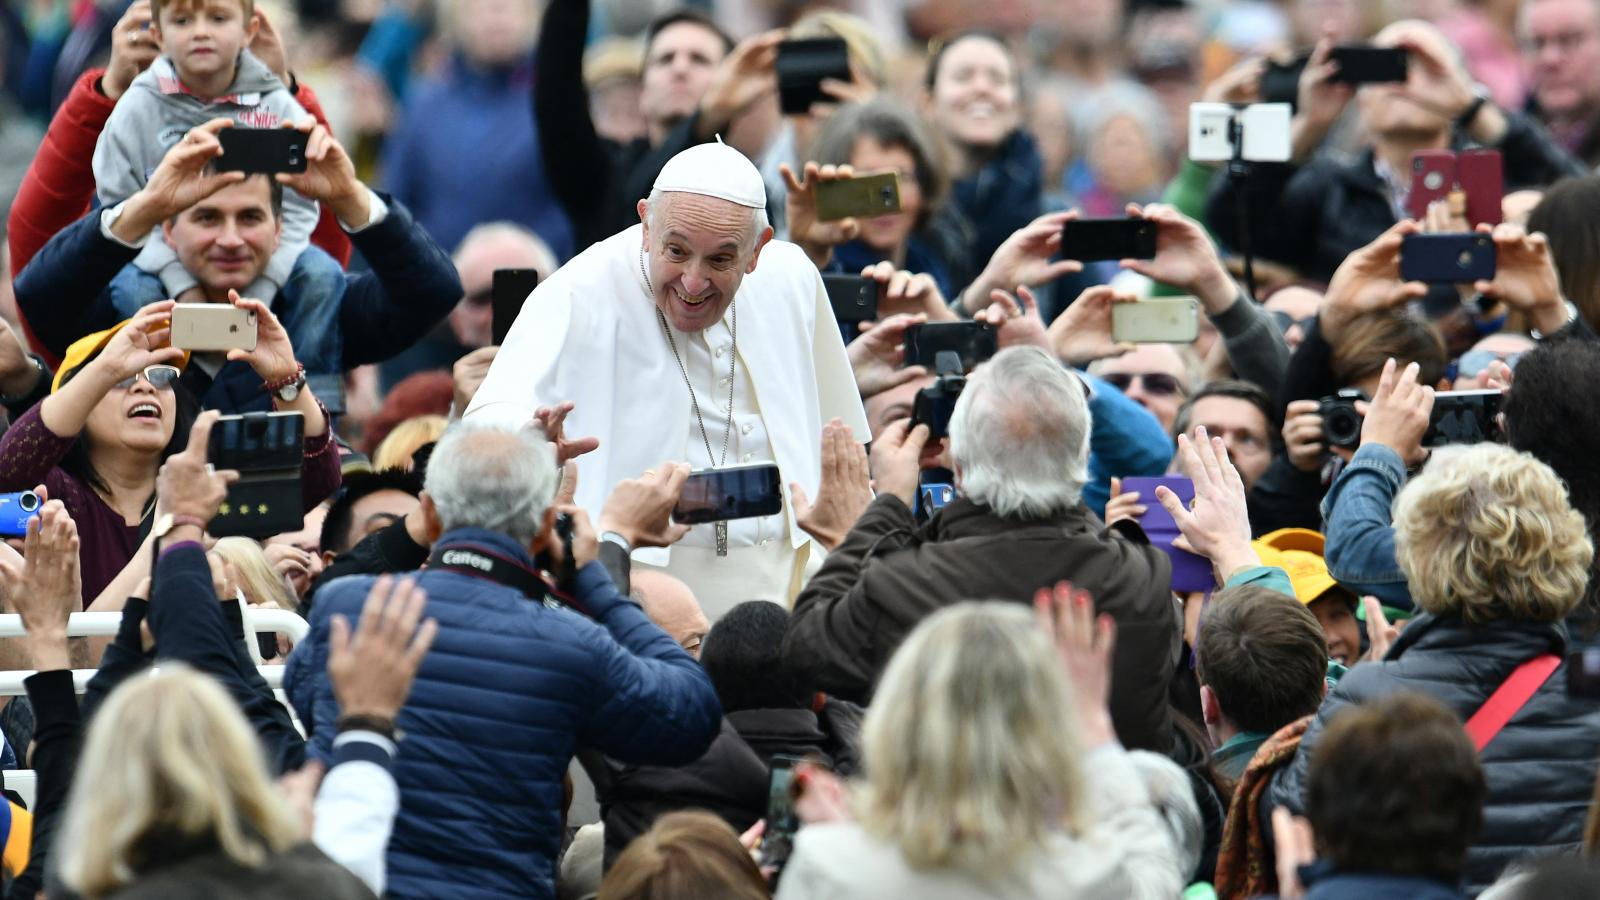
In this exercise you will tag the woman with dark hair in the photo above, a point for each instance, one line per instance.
(115, 412)
(974, 98)
(924, 236)
(1565, 216)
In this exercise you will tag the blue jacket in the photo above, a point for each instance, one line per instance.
(1324, 882)
(508, 693)
(466, 152)
(1360, 529)
(1124, 439)
(81, 282)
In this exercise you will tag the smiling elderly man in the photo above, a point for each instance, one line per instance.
(673, 345)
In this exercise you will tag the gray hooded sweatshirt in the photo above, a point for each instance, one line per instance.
(154, 114)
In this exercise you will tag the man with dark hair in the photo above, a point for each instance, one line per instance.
(1383, 827)
(1262, 660)
(366, 503)
(224, 228)
(593, 176)
(1238, 412)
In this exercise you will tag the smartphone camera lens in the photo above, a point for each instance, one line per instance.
(1464, 259)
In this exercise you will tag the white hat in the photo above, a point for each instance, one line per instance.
(714, 170)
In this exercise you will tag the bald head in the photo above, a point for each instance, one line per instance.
(672, 606)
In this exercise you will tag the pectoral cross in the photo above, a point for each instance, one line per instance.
(722, 538)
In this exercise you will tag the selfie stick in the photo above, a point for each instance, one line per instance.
(1238, 174)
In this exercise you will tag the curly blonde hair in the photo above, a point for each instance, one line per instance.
(1486, 533)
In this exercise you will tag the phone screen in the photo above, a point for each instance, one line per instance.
(255, 442)
(782, 821)
(1099, 239)
(1464, 417)
(511, 289)
(974, 342)
(739, 492)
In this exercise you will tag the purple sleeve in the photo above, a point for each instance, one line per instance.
(30, 452)
(319, 470)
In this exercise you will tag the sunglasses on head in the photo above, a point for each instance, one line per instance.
(159, 377)
(1154, 382)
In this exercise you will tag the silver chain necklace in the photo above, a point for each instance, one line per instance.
(733, 357)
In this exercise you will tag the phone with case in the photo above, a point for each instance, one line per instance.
(1089, 240)
(1481, 174)
(860, 197)
(261, 150)
(1433, 177)
(1366, 64)
(1447, 258)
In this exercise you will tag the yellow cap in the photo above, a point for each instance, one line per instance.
(613, 58)
(87, 348)
(1298, 551)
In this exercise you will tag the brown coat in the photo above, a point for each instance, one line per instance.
(888, 575)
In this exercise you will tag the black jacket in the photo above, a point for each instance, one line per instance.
(1311, 217)
(889, 574)
(1540, 768)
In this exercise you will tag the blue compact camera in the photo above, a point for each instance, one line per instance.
(15, 511)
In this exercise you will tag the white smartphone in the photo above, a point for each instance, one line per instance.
(1159, 320)
(213, 326)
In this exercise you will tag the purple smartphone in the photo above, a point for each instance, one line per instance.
(1190, 572)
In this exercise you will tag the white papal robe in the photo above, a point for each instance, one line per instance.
(590, 334)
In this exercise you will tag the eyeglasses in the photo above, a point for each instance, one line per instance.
(1473, 362)
(1159, 383)
(1286, 321)
(159, 377)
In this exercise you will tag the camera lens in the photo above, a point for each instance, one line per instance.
(1343, 426)
(29, 501)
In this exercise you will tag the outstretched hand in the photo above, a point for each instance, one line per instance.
(373, 668)
(1399, 413)
(45, 585)
(1218, 525)
(1084, 642)
(877, 357)
(640, 509)
(552, 420)
(845, 491)
(1082, 333)
(1015, 319)
(1367, 281)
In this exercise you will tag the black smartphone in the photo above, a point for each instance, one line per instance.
(854, 297)
(802, 65)
(261, 150)
(974, 342)
(266, 449)
(1447, 258)
(736, 492)
(1583, 670)
(1366, 64)
(1464, 417)
(777, 841)
(1095, 239)
(510, 290)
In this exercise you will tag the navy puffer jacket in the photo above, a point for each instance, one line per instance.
(1540, 768)
(509, 691)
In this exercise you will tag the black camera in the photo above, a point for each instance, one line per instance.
(934, 404)
(1341, 423)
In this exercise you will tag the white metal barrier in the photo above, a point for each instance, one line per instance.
(105, 624)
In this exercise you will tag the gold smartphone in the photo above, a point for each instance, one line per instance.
(213, 326)
(863, 196)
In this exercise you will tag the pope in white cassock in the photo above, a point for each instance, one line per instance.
(674, 344)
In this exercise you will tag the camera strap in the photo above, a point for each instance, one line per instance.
(479, 561)
(1513, 694)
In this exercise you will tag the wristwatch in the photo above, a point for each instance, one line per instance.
(288, 389)
(1480, 97)
(166, 523)
(612, 537)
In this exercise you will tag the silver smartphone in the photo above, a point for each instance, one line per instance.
(1159, 320)
(213, 326)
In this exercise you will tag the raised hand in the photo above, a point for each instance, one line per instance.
(268, 47)
(1525, 277)
(143, 342)
(1123, 505)
(182, 179)
(273, 356)
(1082, 333)
(467, 375)
(1367, 281)
(1084, 642)
(187, 485)
(1185, 258)
(816, 237)
(1015, 319)
(1321, 99)
(330, 176)
(372, 670)
(45, 587)
(845, 491)
(896, 459)
(133, 49)
(1218, 525)
(743, 77)
(1024, 258)
(904, 292)
(640, 509)
(877, 355)
(1302, 435)
(1398, 415)
(552, 420)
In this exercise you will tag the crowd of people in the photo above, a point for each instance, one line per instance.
(670, 575)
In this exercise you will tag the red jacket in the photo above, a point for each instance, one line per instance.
(59, 186)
